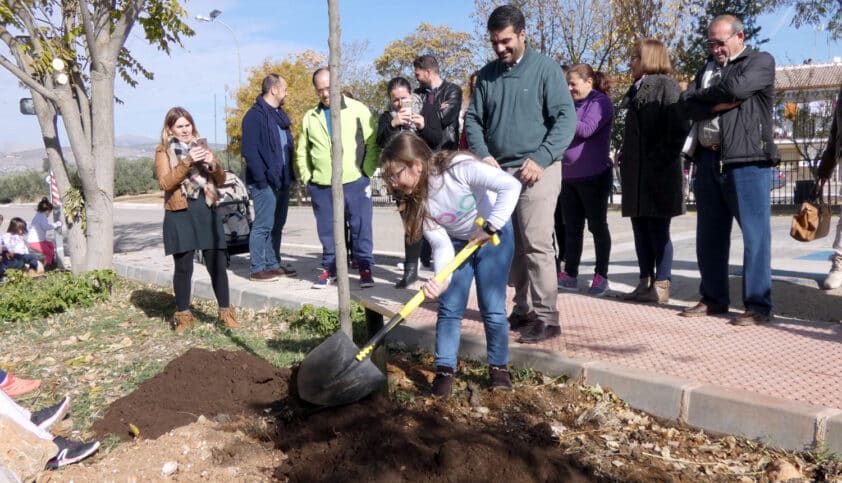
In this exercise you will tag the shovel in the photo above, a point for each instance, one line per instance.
(336, 372)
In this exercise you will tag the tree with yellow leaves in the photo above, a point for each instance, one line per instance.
(452, 49)
(298, 70)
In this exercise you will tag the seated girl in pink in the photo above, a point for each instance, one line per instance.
(37, 236)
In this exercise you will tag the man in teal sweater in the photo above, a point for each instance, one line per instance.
(522, 119)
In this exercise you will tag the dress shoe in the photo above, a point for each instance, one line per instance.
(518, 321)
(282, 271)
(537, 331)
(751, 318)
(702, 309)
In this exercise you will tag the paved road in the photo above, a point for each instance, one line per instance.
(138, 226)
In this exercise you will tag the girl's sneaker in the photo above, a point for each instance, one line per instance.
(443, 383)
(51, 415)
(566, 282)
(14, 387)
(70, 452)
(501, 379)
(599, 286)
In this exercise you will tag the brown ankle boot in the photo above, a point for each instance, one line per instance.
(648, 295)
(183, 320)
(228, 317)
(641, 288)
(662, 288)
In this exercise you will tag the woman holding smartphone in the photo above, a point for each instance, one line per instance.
(408, 113)
(188, 172)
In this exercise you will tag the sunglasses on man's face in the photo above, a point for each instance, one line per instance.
(713, 43)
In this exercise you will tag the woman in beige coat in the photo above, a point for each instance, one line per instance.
(188, 172)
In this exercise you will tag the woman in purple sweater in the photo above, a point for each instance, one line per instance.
(587, 177)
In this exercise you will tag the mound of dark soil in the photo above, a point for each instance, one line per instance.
(200, 382)
(375, 440)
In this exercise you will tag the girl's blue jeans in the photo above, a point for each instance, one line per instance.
(489, 266)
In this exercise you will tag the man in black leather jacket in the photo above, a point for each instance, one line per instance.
(447, 96)
(730, 103)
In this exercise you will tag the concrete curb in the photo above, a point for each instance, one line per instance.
(777, 422)
(774, 421)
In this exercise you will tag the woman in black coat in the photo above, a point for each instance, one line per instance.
(408, 113)
(650, 166)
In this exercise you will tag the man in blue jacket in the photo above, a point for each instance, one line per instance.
(268, 148)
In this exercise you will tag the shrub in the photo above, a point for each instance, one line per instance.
(132, 177)
(23, 187)
(324, 322)
(23, 298)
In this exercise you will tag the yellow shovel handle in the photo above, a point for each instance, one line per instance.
(419, 297)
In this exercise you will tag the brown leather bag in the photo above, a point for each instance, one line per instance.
(813, 219)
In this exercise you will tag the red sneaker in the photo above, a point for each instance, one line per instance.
(15, 387)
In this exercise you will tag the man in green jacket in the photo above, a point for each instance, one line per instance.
(522, 119)
(359, 160)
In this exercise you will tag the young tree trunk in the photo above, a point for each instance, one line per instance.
(336, 174)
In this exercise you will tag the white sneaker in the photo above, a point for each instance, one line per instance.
(834, 277)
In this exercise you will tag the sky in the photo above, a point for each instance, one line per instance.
(201, 75)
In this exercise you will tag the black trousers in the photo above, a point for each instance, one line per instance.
(586, 200)
(215, 261)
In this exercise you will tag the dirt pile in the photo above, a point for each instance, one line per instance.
(200, 382)
(375, 440)
(255, 429)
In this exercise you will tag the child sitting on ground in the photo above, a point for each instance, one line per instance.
(36, 238)
(15, 252)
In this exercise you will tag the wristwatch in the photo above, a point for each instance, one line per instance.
(488, 228)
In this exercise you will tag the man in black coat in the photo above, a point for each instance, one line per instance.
(446, 96)
(730, 102)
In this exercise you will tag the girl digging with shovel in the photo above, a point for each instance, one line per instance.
(444, 193)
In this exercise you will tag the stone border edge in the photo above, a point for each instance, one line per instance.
(774, 421)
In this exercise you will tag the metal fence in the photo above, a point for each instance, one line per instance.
(792, 181)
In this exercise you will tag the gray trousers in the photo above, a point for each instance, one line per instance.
(533, 266)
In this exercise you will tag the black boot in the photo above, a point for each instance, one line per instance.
(410, 264)
(410, 274)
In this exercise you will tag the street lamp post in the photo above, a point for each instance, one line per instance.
(213, 17)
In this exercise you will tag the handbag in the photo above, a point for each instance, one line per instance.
(813, 218)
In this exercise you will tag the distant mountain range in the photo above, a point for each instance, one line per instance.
(126, 147)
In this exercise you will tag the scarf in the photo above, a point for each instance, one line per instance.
(198, 180)
(276, 118)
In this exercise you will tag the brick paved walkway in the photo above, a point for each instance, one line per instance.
(789, 359)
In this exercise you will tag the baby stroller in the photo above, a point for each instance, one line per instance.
(235, 210)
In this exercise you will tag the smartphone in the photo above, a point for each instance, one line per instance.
(202, 143)
(406, 102)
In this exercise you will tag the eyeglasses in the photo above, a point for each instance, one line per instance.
(713, 43)
(394, 177)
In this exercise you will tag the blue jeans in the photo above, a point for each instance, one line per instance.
(359, 213)
(489, 266)
(270, 216)
(723, 194)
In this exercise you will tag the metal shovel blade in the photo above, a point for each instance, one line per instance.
(330, 375)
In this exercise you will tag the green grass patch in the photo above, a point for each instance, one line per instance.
(105, 350)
